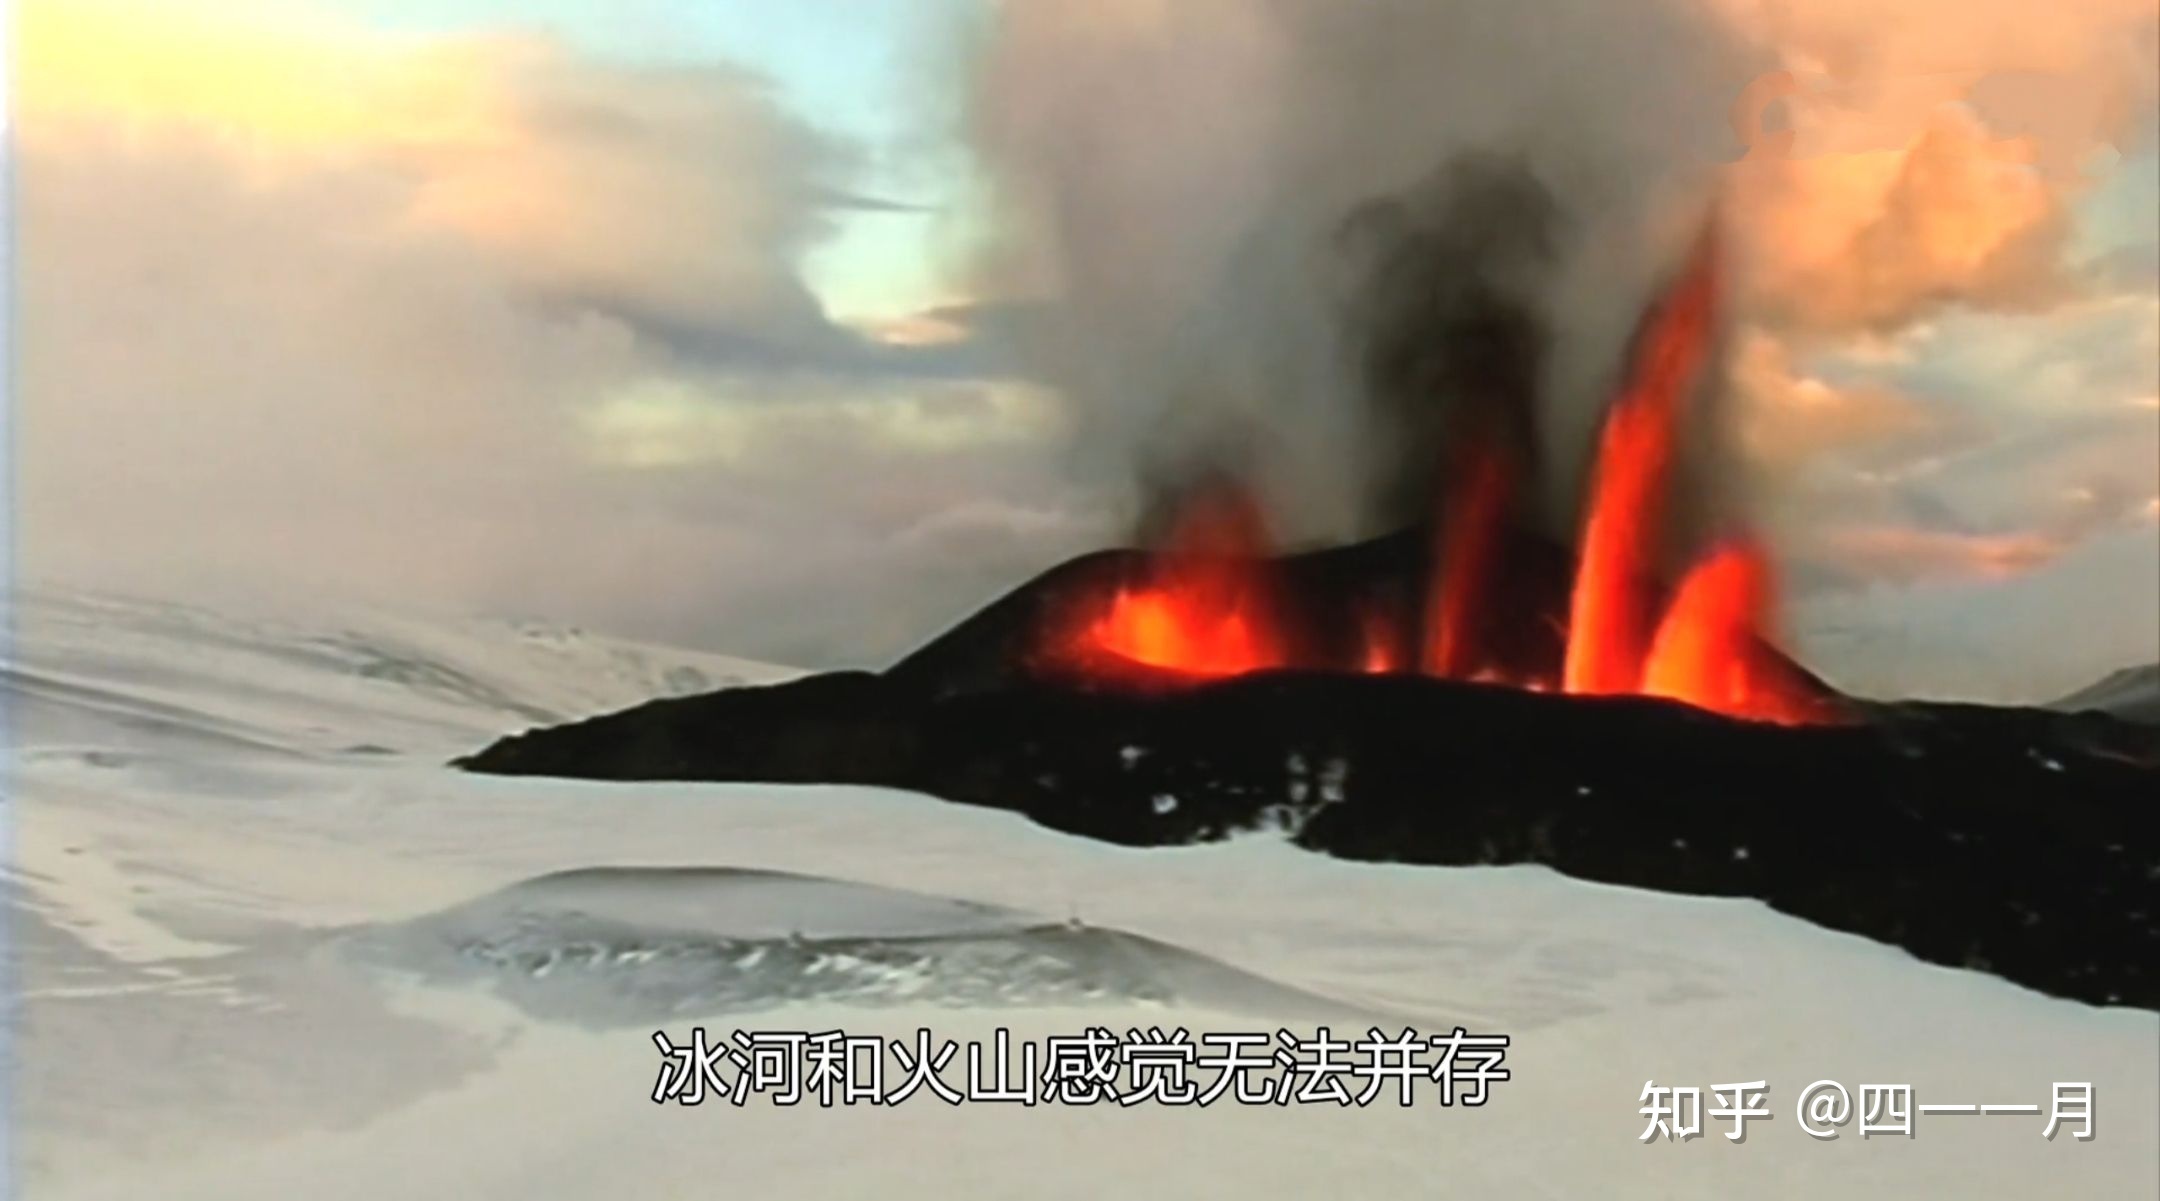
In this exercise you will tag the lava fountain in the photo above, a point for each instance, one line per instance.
(1608, 626)
(1207, 605)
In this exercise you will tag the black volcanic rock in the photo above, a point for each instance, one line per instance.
(2022, 842)
(2018, 841)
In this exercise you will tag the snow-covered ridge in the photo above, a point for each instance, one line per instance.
(83, 666)
(2132, 693)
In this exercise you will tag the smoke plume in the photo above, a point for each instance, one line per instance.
(1333, 236)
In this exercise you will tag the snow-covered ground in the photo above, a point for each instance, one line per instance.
(266, 946)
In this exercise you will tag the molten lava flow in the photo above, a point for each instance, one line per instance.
(1608, 627)
(1707, 652)
(1166, 627)
(1381, 642)
(1471, 524)
(1205, 609)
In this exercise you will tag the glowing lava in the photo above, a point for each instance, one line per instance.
(1707, 648)
(1608, 627)
(1168, 627)
(1471, 525)
(1382, 644)
(1208, 606)
(1707, 652)
(1205, 610)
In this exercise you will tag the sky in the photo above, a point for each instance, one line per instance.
(797, 330)
(856, 69)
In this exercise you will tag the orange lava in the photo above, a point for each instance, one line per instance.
(1707, 651)
(1382, 645)
(1207, 605)
(1471, 525)
(1164, 627)
(1608, 629)
(1205, 609)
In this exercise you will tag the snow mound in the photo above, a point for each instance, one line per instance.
(611, 946)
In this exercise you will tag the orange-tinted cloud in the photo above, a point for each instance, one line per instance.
(1874, 241)
(680, 194)
(1908, 553)
(1906, 537)
(1786, 418)
(449, 322)
(286, 85)
(1930, 153)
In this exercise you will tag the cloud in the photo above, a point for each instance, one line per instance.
(1931, 44)
(1989, 446)
(1877, 241)
(679, 195)
(476, 323)
(2020, 637)
(758, 426)
(1947, 289)
(1905, 553)
(1788, 419)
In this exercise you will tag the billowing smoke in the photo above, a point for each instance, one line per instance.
(1328, 237)
(1446, 321)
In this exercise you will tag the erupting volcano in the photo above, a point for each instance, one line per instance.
(1207, 607)
(1470, 690)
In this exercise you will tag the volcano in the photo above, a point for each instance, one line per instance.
(1469, 595)
(1466, 690)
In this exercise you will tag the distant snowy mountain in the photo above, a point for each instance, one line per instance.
(2132, 694)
